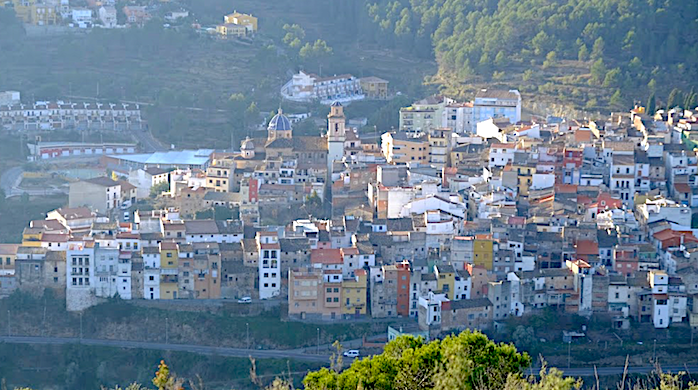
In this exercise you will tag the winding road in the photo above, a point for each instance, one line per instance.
(198, 349)
(298, 354)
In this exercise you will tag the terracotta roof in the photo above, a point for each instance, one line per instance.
(349, 251)
(74, 213)
(8, 249)
(682, 187)
(326, 256)
(102, 181)
(587, 247)
(168, 246)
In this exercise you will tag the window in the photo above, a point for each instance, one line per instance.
(151, 278)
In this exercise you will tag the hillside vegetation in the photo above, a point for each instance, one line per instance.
(593, 49)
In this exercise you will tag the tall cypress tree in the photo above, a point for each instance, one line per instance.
(674, 99)
(689, 101)
(651, 105)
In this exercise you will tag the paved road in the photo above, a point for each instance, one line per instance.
(147, 141)
(198, 349)
(10, 179)
(298, 355)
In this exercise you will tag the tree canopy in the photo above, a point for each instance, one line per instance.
(466, 361)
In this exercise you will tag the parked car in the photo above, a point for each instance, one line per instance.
(352, 353)
(127, 216)
(125, 205)
(245, 300)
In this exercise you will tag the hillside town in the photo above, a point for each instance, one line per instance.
(463, 216)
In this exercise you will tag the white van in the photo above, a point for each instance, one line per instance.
(245, 300)
(352, 353)
(127, 216)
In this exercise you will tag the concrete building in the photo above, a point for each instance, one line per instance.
(107, 15)
(374, 87)
(424, 114)
(402, 148)
(307, 87)
(100, 194)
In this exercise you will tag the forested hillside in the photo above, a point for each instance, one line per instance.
(616, 45)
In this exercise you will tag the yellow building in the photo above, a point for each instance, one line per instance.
(169, 255)
(33, 12)
(354, 294)
(8, 254)
(245, 20)
(399, 148)
(482, 252)
(445, 281)
(32, 237)
(168, 286)
(169, 264)
(231, 30)
(374, 87)
(524, 177)
(219, 175)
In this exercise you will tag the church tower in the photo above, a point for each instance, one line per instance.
(335, 134)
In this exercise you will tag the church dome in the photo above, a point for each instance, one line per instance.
(247, 144)
(280, 122)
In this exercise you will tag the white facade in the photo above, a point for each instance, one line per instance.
(269, 265)
(107, 15)
(501, 154)
(82, 17)
(112, 274)
(459, 118)
(151, 283)
(451, 206)
(304, 87)
(497, 104)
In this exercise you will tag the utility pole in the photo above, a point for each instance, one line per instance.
(569, 353)
(9, 333)
(654, 352)
(247, 324)
(318, 340)
(167, 330)
(80, 325)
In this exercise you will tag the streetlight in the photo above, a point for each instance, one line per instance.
(167, 330)
(247, 324)
(80, 325)
(569, 353)
(8, 323)
(318, 341)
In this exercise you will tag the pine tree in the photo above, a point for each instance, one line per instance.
(651, 105)
(617, 99)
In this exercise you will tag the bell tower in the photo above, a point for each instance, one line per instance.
(335, 134)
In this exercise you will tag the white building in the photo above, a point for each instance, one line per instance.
(458, 117)
(497, 104)
(9, 98)
(107, 15)
(501, 154)
(307, 87)
(82, 17)
(112, 273)
(269, 264)
(80, 276)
